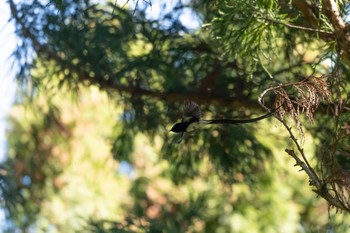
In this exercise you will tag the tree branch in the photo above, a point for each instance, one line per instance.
(170, 97)
(38, 47)
(197, 95)
(329, 34)
(304, 164)
(308, 12)
(341, 29)
(330, 9)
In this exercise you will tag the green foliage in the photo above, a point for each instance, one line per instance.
(106, 83)
(123, 144)
(247, 25)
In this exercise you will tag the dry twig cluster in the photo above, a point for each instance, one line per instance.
(304, 97)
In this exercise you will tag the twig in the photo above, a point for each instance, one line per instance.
(114, 6)
(313, 177)
(303, 163)
(296, 26)
(307, 166)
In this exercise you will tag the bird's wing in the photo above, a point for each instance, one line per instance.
(191, 109)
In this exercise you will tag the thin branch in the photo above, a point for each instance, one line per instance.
(320, 187)
(313, 177)
(303, 163)
(296, 26)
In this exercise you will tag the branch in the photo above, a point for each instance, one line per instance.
(43, 50)
(330, 9)
(310, 14)
(341, 29)
(297, 27)
(307, 10)
(38, 47)
(312, 175)
(169, 97)
(321, 190)
(304, 164)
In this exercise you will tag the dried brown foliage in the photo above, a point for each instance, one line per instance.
(300, 97)
(332, 182)
(335, 159)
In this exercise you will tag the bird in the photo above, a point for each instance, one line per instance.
(191, 119)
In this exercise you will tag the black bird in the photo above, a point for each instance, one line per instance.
(191, 119)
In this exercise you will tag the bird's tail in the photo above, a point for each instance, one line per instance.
(219, 121)
(236, 122)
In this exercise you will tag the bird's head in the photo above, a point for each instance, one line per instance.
(177, 128)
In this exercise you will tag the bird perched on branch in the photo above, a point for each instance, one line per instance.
(191, 119)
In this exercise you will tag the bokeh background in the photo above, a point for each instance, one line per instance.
(100, 83)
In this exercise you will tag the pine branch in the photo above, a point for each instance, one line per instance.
(43, 50)
(302, 161)
(298, 27)
(331, 10)
(308, 11)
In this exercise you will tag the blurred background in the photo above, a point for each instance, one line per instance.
(90, 90)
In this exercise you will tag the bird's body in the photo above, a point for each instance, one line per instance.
(191, 119)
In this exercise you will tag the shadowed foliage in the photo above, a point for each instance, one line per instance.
(89, 147)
